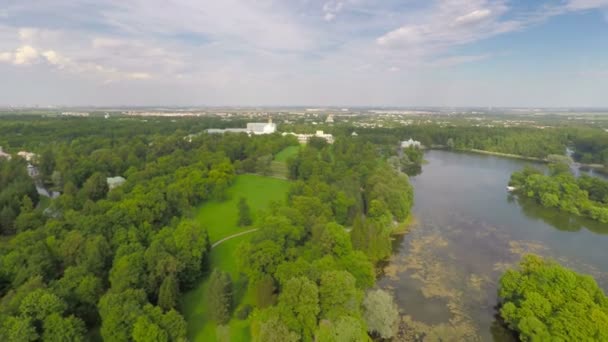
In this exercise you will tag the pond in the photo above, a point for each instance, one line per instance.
(467, 231)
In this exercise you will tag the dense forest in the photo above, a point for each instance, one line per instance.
(584, 196)
(111, 259)
(310, 275)
(114, 263)
(543, 301)
(589, 145)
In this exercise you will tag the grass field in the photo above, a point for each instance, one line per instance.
(220, 219)
(286, 153)
(278, 167)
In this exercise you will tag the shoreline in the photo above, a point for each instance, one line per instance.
(596, 167)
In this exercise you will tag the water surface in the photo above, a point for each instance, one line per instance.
(467, 231)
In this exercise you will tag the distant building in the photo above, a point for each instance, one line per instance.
(303, 138)
(410, 143)
(4, 154)
(256, 128)
(262, 128)
(330, 119)
(115, 182)
(29, 156)
(82, 114)
(354, 134)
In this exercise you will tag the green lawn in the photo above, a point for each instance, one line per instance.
(287, 152)
(220, 220)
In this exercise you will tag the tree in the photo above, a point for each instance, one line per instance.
(244, 213)
(18, 329)
(273, 330)
(299, 306)
(169, 293)
(345, 329)
(338, 294)
(381, 313)
(119, 312)
(69, 329)
(96, 187)
(144, 330)
(265, 292)
(543, 301)
(220, 296)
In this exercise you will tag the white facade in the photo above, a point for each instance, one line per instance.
(256, 128)
(410, 143)
(303, 138)
(261, 127)
(29, 156)
(115, 182)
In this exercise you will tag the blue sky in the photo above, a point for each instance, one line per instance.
(304, 52)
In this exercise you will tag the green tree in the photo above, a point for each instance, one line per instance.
(244, 213)
(69, 329)
(381, 313)
(96, 187)
(273, 330)
(299, 306)
(220, 296)
(169, 293)
(18, 329)
(543, 301)
(338, 294)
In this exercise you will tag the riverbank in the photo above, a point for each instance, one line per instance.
(505, 155)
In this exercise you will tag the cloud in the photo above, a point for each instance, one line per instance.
(451, 23)
(578, 5)
(473, 17)
(56, 59)
(456, 60)
(139, 76)
(331, 9)
(27, 33)
(25, 55)
(6, 57)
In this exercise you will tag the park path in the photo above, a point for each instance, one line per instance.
(217, 243)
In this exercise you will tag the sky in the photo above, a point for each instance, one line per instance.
(517, 53)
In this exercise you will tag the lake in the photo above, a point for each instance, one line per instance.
(467, 231)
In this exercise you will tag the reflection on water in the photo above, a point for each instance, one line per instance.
(445, 272)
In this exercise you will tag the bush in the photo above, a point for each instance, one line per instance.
(243, 312)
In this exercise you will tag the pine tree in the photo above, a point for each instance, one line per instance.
(244, 213)
(220, 296)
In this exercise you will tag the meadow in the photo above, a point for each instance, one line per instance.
(220, 220)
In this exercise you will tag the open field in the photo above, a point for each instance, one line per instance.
(220, 219)
(286, 153)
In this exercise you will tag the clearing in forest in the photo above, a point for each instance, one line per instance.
(220, 220)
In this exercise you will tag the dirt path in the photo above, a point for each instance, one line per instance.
(217, 243)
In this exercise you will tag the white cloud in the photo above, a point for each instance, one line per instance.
(25, 55)
(474, 17)
(331, 9)
(138, 76)
(577, 5)
(56, 59)
(450, 23)
(6, 57)
(27, 33)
